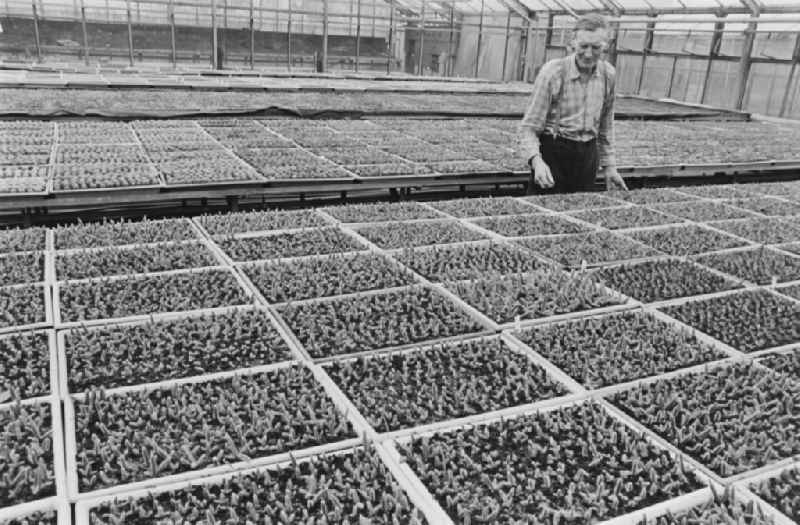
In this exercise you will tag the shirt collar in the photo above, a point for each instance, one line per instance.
(574, 73)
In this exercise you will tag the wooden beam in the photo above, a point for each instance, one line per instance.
(795, 59)
(646, 49)
(524, 43)
(713, 52)
(745, 62)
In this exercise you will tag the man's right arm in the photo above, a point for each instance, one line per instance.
(533, 122)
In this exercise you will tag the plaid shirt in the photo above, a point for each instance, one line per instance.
(581, 112)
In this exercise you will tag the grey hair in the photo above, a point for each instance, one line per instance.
(590, 22)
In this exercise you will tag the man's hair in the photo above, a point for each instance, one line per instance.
(590, 22)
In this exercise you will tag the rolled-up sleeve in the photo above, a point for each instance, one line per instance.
(535, 118)
(605, 131)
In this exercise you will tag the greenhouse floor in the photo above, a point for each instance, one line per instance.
(586, 358)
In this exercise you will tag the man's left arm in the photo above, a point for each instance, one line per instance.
(605, 141)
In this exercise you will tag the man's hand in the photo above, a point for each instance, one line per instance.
(541, 173)
(613, 179)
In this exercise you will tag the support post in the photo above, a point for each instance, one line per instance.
(224, 28)
(713, 52)
(85, 34)
(289, 36)
(505, 47)
(449, 66)
(745, 62)
(612, 44)
(324, 35)
(214, 34)
(480, 37)
(358, 33)
(524, 43)
(421, 39)
(171, 8)
(786, 93)
(646, 48)
(389, 51)
(36, 32)
(130, 32)
(672, 76)
(252, 36)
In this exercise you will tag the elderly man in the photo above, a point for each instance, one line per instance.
(567, 134)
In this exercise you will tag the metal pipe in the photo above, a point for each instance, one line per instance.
(85, 34)
(324, 35)
(252, 36)
(505, 47)
(214, 34)
(36, 32)
(421, 39)
(289, 36)
(172, 35)
(480, 36)
(449, 65)
(130, 32)
(390, 51)
(358, 33)
(672, 76)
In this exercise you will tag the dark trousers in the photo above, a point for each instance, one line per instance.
(573, 164)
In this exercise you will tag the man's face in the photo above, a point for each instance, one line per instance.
(589, 47)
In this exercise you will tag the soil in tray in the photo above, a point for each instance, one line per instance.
(592, 248)
(339, 488)
(748, 321)
(732, 419)
(105, 299)
(468, 262)
(318, 241)
(22, 306)
(571, 466)
(117, 233)
(661, 280)
(369, 322)
(445, 382)
(533, 295)
(45, 517)
(26, 449)
(145, 259)
(617, 348)
(323, 277)
(396, 235)
(760, 265)
(22, 240)
(723, 508)
(769, 230)
(782, 492)
(530, 225)
(381, 212)
(686, 240)
(784, 363)
(117, 356)
(21, 268)
(482, 207)
(25, 366)
(255, 221)
(134, 436)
